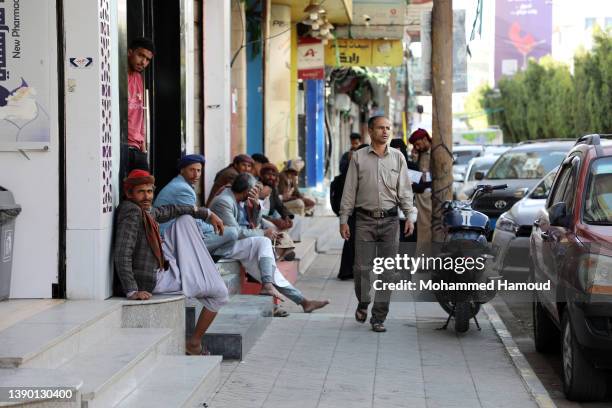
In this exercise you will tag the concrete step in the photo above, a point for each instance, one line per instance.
(41, 378)
(305, 253)
(176, 381)
(237, 326)
(51, 337)
(110, 367)
(230, 272)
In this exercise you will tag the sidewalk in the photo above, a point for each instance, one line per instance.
(327, 359)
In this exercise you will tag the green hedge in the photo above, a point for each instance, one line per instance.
(547, 101)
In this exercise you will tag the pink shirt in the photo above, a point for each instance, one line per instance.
(136, 136)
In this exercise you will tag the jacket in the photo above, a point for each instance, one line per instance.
(179, 191)
(135, 264)
(227, 208)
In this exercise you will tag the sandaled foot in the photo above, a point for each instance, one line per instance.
(278, 312)
(268, 289)
(312, 305)
(193, 350)
(378, 327)
(361, 315)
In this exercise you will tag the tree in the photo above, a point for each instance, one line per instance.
(546, 101)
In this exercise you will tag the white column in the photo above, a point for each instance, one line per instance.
(89, 163)
(187, 47)
(217, 94)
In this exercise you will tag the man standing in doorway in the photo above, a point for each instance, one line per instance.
(140, 54)
(376, 183)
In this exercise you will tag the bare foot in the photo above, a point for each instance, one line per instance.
(311, 305)
(268, 289)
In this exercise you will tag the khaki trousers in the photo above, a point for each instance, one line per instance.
(374, 237)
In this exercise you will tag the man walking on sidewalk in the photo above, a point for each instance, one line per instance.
(376, 183)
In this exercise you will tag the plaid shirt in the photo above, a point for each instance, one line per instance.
(135, 263)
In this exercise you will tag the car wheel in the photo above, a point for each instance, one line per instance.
(545, 333)
(581, 381)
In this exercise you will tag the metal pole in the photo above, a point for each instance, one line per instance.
(442, 126)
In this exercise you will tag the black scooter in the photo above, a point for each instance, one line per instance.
(466, 232)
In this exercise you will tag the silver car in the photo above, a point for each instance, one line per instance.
(465, 189)
(511, 237)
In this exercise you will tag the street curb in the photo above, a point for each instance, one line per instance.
(531, 380)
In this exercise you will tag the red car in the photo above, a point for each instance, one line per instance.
(571, 246)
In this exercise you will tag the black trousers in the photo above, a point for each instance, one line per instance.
(348, 253)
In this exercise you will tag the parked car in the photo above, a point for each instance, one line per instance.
(465, 189)
(462, 155)
(571, 246)
(520, 168)
(496, 150)
(511, 237)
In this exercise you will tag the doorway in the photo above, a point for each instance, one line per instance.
(160, 20)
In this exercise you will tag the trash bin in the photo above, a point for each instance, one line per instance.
(8, 212)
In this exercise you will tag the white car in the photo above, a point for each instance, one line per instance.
(513, 229)
(465, 189)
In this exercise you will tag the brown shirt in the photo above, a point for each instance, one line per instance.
(377, 183)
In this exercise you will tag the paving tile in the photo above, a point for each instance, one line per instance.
(326, 359)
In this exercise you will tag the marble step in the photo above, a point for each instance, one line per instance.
(176, 381)
(51, 337)
(41, 378)
(110, 368)
(305, 253)
(238, 326)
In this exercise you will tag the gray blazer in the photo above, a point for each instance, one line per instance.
(135, 263)
(226, 207)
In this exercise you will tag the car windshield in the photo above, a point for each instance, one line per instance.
(598, 205)
(526, 165)
(541, 191)
(464, 157)
(479, 166)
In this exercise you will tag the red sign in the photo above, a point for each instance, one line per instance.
(310, 58)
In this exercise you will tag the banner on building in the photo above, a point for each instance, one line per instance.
(523, 30)
(310, 58)
(459, 53)
(364, 53)
(24, 75)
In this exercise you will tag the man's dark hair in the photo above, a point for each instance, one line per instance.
(355, 136)
(260, 158)
(372, 120)
(419, 109)
(243, 182)
(142, 42)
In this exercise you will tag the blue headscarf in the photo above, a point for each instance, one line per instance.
(190, 159)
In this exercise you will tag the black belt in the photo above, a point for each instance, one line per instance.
(379, 213)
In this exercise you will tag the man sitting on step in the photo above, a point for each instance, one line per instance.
(253, 248)
(147, 265)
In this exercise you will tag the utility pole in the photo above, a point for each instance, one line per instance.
(442, 115)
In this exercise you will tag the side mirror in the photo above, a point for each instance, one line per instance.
(479, 175)
(557, 214)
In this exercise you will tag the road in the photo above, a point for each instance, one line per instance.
(517, 315)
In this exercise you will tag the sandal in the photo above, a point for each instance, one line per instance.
(278, 312)
(378, 327)
(201, 352)
(361, 315)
